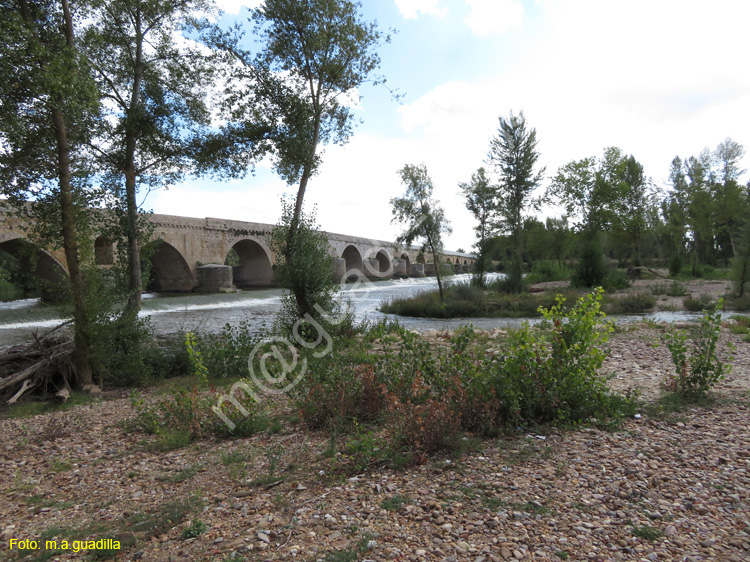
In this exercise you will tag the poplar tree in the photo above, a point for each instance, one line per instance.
(154, 83)
(513, 153)
(48, 101)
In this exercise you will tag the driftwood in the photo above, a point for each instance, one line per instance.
(44, 363)
(12, 380)
(633, 271)
(26, 386)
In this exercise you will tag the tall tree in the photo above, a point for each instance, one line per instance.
(298, 92)
(727, 195)
(422, 215)
(631, 204)
(481, 200)
(48, 100)
(513, 153)
(154, 83)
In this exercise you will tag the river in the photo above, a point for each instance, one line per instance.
(170, 313)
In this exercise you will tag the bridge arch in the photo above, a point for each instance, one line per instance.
(353, 258)
(103, 251)
(254, 269)
(405, 257)
(38, 269)
(169, 270)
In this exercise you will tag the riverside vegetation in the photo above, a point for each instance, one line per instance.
(390, 401)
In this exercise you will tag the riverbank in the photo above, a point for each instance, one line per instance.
(642, 296)
(664, 486)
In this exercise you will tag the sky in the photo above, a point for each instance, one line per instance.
(656, 78)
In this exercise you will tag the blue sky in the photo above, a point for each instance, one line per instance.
(657, 78)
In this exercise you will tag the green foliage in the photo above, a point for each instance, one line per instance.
(647, 532)
(394, 503)
(590, 269)
(423, 217)
(513, 153)
(224, 355)
(196, 359)
(425, 397)
(615, 280)
(675, 265)
(543, 271)
(741, 264)
(676, 289)
(703, 302)
(195, 529)
(469, 301)
(562, 385)
(631, 303)
(695, 356)
(305, 270)
(187, 415)
(480, 197)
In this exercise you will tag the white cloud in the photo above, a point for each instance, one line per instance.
(488, 17)
(410, 9)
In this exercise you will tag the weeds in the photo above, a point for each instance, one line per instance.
(694, 355)
(394, 503)
(703, 302)
(647, 533)
(195, 529)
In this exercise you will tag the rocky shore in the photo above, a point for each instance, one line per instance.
(660, 487)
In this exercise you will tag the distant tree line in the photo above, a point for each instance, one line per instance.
(612, 210)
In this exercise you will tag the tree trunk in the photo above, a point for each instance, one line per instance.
(70, 236)
(135, 284)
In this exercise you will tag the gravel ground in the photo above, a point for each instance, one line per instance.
(662, 487)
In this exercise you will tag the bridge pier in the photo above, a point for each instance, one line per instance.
(214, 278)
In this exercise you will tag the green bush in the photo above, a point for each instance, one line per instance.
(561, 384)
(9, 291)
(615, 280)
(676, 289)
(426, 397)
(675, 265)
(224, 355)
(740, 303)
(632, 303)
(547, 270)
(191, 412)
(590, 269)
(695, 357)
(703, 302)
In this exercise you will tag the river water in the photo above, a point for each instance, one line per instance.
(170, 313)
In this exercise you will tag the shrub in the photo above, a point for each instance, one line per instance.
(223, 354)
(659, 289)
(559, 384)
(306, 274)
(703, 302)
(675, 265)
(632, 303)
(195, 529)
(676, 289)
(694, 355)
(590, 270)
(547, 270)
(615, 280)
(189, 412)
(740, 303)
(334, 395)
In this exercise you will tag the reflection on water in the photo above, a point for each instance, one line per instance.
(210, 312)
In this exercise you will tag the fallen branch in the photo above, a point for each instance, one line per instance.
(27, 384)
(23, 375)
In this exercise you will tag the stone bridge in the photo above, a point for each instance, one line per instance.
(189, 251)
